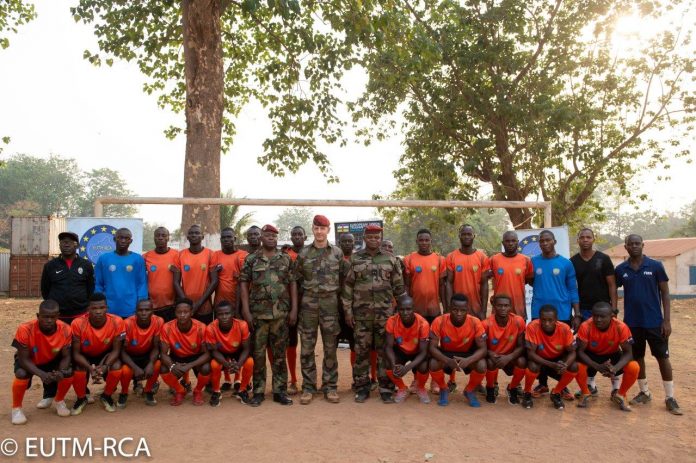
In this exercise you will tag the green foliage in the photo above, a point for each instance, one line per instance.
(292, 217)
(149, 235)
(105, 182)
(229, 217)
(278, 52)
(13, 13)
(688, 227)
(528, 97)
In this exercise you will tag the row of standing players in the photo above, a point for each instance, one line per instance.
(371, 282)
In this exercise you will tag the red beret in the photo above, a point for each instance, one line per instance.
(321, 221)
(269, 228)
(373, 229)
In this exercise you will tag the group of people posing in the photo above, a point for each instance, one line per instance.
(132, 318)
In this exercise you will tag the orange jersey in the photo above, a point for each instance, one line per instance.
(457, 338)
(408, 338)
(96, 341)
(42, 348)
(139, 341)
(229, 275)
(195, 273)
(604, 342)
(503, 339)
(160, 280)
(467, 271)
(291, 252)
(230, 342)
(183, 344)
(425, 273)
(509, 275)
(553, 346)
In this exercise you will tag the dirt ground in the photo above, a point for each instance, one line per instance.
(374, 432)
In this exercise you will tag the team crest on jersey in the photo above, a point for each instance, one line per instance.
(419, 269)
(433, 268)
(500, 271)
(540, 347)
(112, 268)
(34, 349)
(558, 347)
(511, 338)
(518, 271)
(539, 271)
(55, 350)
(134, 342)
(107, 340)
(415, 340)
(399, 340)
(153, 268)
(459, 268)
(129, 268)
(446, 340)
(593, 343)
(474, 268)
(557, 271)
(194, 345)
(187, 267)
(466, 340)
(80, 270)
(235, 344)
(204, 266)
(177, 346)
(85, 342)
(611, 343)
(495, 341)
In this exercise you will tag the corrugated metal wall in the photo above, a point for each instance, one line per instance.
(25, 275)
(4, 272)
(36, 236)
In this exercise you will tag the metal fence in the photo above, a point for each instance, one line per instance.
(4, 272)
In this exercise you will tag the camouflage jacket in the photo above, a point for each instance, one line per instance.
(268, 278)
(371, 284)
(320, 270)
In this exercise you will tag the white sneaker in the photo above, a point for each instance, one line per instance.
(44, 403)
(18, 416)
(90, 399)
(61, 408)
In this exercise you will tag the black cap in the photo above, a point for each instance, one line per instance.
(72, 235)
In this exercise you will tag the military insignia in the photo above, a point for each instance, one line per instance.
(557, 271)
(112, 268)
(187, 267)
(153, 268)
(129, 268)
(97, 241)
(80, 270)
(474, 268)
(419, 269)
(459, 268)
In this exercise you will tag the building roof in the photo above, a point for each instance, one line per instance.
(669, 247)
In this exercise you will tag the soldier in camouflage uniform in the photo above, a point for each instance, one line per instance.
(318, 270)
(373, 280)
(269, 304)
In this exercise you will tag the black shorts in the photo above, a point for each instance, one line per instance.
(97, 359)
(205, 318)
(167, 313)
(233, 356)
(551, 372)
(402, 358)
(189, 359)
(451, 354)
(292, 336)
(141, 360)
(659, 345)
(613, 358)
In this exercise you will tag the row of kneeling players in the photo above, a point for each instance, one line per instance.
(143, 347)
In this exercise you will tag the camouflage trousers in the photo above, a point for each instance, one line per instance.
(273, 334)
(319, 313)
(370, 334)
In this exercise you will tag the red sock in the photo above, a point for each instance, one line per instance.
(529, 378)
(453, 377)
(517, 375)
(247, 372)
(475, 380)
(491, 377)
(421, 379)
(373, 365)
(112, 380)
(630, 375)
(63, 388)
(397, 381)
(291, 354)
(270, 355)
(352, 358)
(19, 387)
(565, 380)
(126, 377)
(215, 375)
(80, 383)
(581, 379)
(202, 381)
(153, 379)
(439, 378)
(187, 377)
(173, 382)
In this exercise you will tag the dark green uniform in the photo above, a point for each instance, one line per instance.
(369, 289)
(269, 304)
(318, 271)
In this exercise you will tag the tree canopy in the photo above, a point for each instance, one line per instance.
(292, 217)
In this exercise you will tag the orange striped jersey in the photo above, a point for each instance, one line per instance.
(228, 277)
(549, 346)
(604, 342)
(467, 271)
(503, 339)
(43, 348)
(183, 344)
(96, 341)
(457, 338)
(407, 338)
(160, 280)
(425, 273)
(139, 341)
(229, 342)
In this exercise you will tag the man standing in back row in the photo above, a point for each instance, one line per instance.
(510, 269)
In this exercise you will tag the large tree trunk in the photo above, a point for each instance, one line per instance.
(204, 108)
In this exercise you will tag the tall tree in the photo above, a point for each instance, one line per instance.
(529, 98)
(105, 182)
(208, 58)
